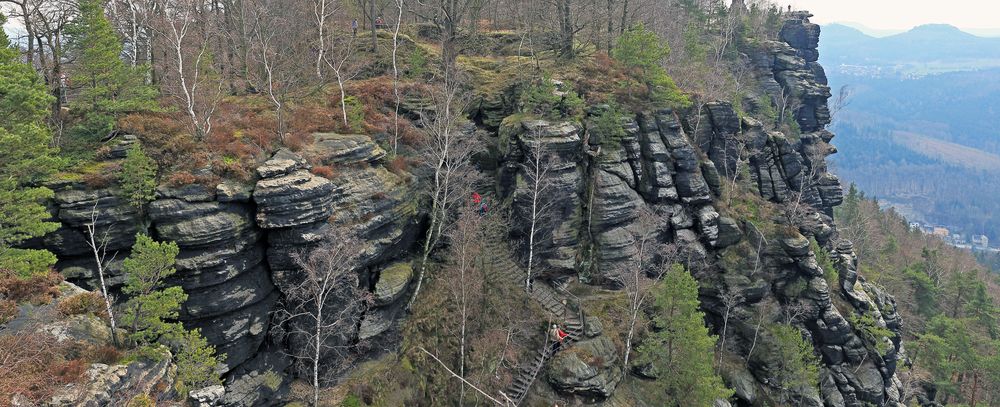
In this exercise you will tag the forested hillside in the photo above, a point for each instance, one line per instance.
(454, 202)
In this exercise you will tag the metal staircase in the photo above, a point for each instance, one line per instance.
(572, 320)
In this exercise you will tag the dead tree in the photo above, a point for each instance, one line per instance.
(502, 401)
(321, 310)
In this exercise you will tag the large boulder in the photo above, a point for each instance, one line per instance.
(589, 368)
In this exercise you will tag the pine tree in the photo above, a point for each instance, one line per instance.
(138, 178)
(642, 50)
(680, 350)
(27, 159)
(151, 305)
(796, 365)
(196, 361)
(152, 310)
(108, 87)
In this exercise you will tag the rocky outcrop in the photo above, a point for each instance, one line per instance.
(663, 176)
(589, 369)
(236, 240)
(103, 385)
(220, 267)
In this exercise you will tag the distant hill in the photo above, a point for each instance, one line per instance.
(933, 42)
(921, 128)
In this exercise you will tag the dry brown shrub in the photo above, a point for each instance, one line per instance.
(181, 178)
(82, 304)
(165, 138)
(105, 354)
(37, 289)
(296, 141)
(97, 180)
(324, 171)
(8, 311)
(70, 371)
(398, 165)
(32, 365)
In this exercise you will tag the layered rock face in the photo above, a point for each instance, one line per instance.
(676, 164)
(237, 241)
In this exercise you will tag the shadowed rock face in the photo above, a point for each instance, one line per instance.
(236, 241)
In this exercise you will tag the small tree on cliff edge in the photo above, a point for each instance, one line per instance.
(642, 51)
(108, 88)
(680, 352)
(153, 307)
(138, 180)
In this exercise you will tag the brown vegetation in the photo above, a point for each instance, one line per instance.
(40, 289)
(83, 304)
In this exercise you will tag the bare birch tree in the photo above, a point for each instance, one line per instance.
(536, 174)
(343, 70)
(395, 75)
(322, 309)
(447, 153)
(730, 300)
(465, 277)
(182, 35)
(641, 274)
(322, 11)
(99, 249)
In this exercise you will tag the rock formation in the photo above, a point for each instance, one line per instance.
(237, 239)
(675, 163)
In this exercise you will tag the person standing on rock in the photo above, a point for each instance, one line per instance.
(557, 335)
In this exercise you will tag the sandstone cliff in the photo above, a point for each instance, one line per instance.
(237, 238)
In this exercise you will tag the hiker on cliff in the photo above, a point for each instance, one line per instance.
(557, 336)
(478, 201)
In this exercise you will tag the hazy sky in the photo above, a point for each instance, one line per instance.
(903, 14)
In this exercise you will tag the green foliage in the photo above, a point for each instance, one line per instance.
(792, 357)
(152, 310)
(196, 361)
(26, 263)
(680, 350)
(946, 348)
(870, 331)
(544, 99)
(108, 87)
(641, 50)
(925, 290)
(138, 177)
(351, 401)
(830, 273)
(416, 63)
(607, 125)
(355, 113)
(27, 159)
